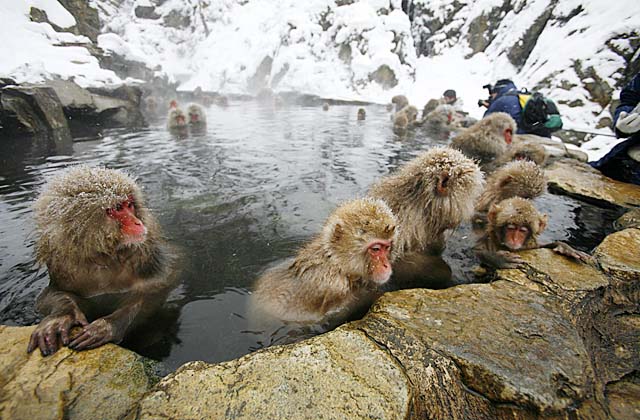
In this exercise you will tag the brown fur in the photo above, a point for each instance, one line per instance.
(484, 140)
(400, 102)
(328, 273)
(405, 118)
(533, 152)
(429, 106)
(172, 120)
(194, 109)
(515, 179)
(82, 249)
(517, 211)
(362, 114)
(423, 213)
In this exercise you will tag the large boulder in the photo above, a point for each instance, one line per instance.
(31, 110)
(102, 383)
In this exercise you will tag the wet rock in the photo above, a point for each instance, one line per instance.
(508, 351)
(31, 110)
(619, 254)
(101, 383)
(630, 219)
(583, 182)
(339, 375)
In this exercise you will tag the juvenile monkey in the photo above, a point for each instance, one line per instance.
(430, 194)
(325, 106)
(400, 101)
(328, 275)
(177, 122)
(405, 118)
(520, 178)
(429, 106)
(487, 139)
(109, 267)
(197, 118)
(513, 225)
(362, 114)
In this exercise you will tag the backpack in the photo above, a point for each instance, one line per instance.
(539, 114)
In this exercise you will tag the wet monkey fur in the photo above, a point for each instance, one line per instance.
(108, 265)
(351, 255)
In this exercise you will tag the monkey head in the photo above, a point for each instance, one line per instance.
(500, 125)
(529, 151)
(515, 224)
(359, 236)
(173, 104)
(361, 114)
(195, 114)
(521, 178)
(87, 211)
(177, 118)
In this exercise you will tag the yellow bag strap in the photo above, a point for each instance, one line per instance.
(523, 99)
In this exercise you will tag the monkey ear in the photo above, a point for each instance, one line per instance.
(492, 214)
(506, 181)
(338, 232)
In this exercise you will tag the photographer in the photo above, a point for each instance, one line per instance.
(623, 160)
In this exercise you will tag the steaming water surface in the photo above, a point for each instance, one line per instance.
(236, 200)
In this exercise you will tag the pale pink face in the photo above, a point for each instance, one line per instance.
(132, 229)
(379, 267)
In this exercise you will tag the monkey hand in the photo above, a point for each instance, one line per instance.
(53, 332)
(99, 332)
(506, 259)
(628, 123)
(566, 250)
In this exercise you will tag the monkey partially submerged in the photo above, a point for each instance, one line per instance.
(520, 178)
(197, 118)
(514, 225)
(486, 140)
(430, 194)
(109, 267)
(329, 275)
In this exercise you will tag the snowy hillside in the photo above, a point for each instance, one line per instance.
(575, 51)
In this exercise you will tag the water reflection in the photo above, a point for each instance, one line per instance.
(237, 199)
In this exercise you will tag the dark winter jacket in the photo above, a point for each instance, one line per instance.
(617, 164)
(507, 101)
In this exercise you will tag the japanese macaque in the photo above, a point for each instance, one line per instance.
(533, 152)
(109, 267)
(520, 178)
(222, 101)
(432, 193)
(325, 106)
(362, 114)
(487, 139)
(400, 101)
(514, 225)
(389, 107)
(329, 275)
(197, 118)
(177, 122)
(429, 106)
(405, 118)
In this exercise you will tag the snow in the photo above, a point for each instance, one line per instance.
(227, 41)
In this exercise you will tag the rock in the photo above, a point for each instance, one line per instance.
(628, 220)
(496, 350)
(146, 12)
(100, 383)
(342, 374)
(87, 19)
(175, 19)
(31, 110)
(577, 154)
(482, 30)
(618, 254)
(583, 182)
(519, 52)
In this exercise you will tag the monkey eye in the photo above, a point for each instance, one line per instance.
(511, 226)
(376, 248)
(130, 204)
(524, 229)
(119, 207)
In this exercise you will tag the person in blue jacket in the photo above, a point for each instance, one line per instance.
(622, 162)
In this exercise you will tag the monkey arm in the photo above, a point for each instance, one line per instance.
(496, 258)
(62, 312)
(566, 250)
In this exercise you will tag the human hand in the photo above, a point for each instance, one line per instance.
(628, 123)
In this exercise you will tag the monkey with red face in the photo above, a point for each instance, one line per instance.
(333, 273)
(514, 225)
(109, 268)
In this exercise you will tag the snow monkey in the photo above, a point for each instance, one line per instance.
(430, 194)
(329, 274)
(513, 225)
(176, 120)
(400, 102)
(405, 118)
(520, 178)
(109, 267)
(362, 114)
(325, 106)
(533, 152)
(197, 118)
(487, 139)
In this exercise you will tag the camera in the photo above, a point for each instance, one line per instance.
(489, 87)
(482, 102)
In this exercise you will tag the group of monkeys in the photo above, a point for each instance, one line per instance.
(179, 125)
(110, 268)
